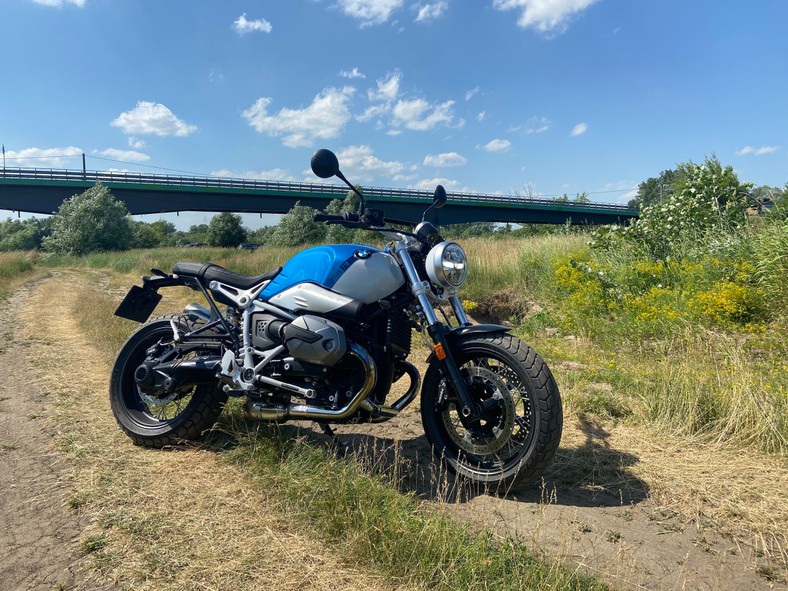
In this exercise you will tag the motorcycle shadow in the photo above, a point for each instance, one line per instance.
(587, 470)
(587, 473)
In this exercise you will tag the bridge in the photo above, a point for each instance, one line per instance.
(43, 190)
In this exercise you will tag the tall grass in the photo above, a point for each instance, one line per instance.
(689, 365)
(142, 260)
(13, 267)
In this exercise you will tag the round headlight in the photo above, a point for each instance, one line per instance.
(447, 265)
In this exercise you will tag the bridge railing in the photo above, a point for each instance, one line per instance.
(51, 174)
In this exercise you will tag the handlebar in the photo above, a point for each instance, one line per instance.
(327, 217)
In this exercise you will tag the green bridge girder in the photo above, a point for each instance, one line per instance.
(42, 191)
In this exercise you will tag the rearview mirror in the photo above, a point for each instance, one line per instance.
(439, 197)
(325, 164)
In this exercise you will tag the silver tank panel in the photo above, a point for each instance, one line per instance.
(370, 279)
(309, 297)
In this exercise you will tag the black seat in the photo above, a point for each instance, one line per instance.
(210, 272)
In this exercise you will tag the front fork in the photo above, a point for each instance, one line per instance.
(438, 331)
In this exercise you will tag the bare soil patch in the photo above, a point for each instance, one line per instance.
(38, 534)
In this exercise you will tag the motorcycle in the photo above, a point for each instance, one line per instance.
(324, 337)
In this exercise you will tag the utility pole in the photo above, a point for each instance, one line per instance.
(3, 157)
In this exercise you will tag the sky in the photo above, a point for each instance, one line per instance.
(498, 96)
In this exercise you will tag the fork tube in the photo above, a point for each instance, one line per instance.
(437, 332)
(459, 311)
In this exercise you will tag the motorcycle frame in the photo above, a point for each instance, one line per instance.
(247, 302)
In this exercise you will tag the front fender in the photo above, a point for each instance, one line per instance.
(455, 334)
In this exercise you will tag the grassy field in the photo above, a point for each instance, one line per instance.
(690, 352)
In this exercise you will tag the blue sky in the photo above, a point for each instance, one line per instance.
(547, 96)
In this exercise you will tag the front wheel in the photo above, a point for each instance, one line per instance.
(514, 441)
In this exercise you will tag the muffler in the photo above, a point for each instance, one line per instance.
(156, 379)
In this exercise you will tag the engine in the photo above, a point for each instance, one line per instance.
(315, 340)
(308, 338)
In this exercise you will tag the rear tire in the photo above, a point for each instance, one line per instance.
(515, 441)
(150, 422)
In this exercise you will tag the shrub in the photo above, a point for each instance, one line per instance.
(88, 222)
(707, 199)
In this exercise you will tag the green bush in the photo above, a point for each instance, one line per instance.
(88, 222)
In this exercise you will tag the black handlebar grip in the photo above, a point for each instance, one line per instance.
(326, 217)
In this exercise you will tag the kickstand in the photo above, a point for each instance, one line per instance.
(340, 443)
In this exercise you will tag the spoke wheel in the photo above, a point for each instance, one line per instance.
(519, 428)
(168, 419)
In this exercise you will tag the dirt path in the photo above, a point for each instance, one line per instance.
(150, 520)
(594, 511)
(38, 534)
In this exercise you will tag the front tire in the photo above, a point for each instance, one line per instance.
(181, 416)
(520, 430)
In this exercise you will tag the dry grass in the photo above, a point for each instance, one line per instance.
(612, 441)
(188, 520)
(177, 520)
(730, 488)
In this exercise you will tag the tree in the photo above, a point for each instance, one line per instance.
(25, 234)
(143, 235)
(195, 233)
(707, 199)
(88, 222)
(164, 231)
(654, 190)
(297, 227)
(226, 229)
(336, 234)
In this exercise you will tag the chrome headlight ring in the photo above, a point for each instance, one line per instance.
(447, 266)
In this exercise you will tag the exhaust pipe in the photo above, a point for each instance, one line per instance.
(280, 413)
(381, 414)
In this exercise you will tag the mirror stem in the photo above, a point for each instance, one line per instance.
(352, 188)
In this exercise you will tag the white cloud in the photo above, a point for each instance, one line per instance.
(370, 12)
(481, 116)
(242, 25)
(497, 145)
(760, 151)
(275, 174)
(537, 125)
(352, 74)
(373, 112)
(215, 76)
(44, 158)
(472, 93)
(59, 3)
(431, 11)
(616, 192)
(546, 16)
(419, 115)
(126, 155)
(153, 119)
(579, 129)
(430, 184)
(445, 160)
(325, 118)
(137, 143)
(360, 164)
(388, 88)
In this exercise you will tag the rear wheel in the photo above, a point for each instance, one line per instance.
(520, 426)
(166, 419)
